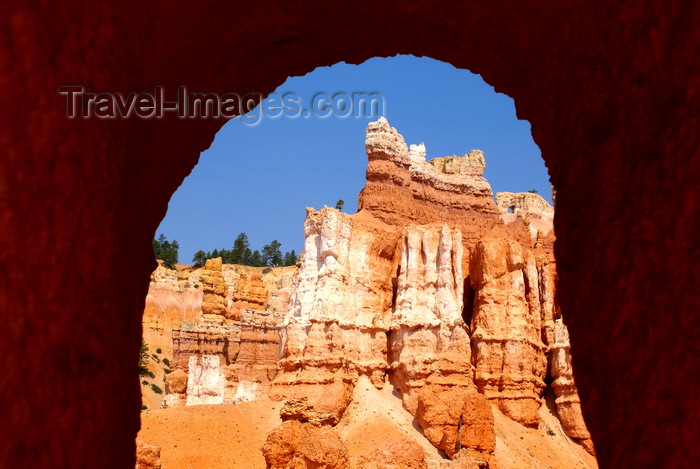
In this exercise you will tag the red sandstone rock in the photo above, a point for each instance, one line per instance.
(401, 455)
(173, 298)
(249, 292)
(453, 418)
(567, 401)
(327, 400)
(147, 456)
(176, 382)
(255, 364)
(368, 295)
(214, 289)
(299, 409)
(297, 445)
(506, 338)
(451, 189)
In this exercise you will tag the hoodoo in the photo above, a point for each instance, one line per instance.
(432, 298)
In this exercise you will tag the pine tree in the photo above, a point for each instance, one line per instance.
(255, 259)
(157, 251)
(225, 256)
(200, 257)
(339, 205)
(143, 360)
(290, 258)
(271, 254)
(241, 250)
(166, 251)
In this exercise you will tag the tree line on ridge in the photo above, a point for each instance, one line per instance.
(271, 254)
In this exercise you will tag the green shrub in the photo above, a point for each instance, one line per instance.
(159, 350)
(144, 382)
(167, 362)
(143, 359)
(156, 389)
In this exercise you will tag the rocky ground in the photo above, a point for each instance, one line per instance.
(231, 436)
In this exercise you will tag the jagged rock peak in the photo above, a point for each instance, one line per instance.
(470, 164)
(384, 142)
(404, 188)
(525, 202)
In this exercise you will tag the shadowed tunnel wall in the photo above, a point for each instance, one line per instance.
(611, 91)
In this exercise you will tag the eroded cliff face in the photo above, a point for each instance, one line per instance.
(432, 293)
(433, 290)
(217, 328)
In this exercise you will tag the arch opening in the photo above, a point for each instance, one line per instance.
(192, 363)
(606, 136)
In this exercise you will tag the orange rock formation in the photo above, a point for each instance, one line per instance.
(431, 289)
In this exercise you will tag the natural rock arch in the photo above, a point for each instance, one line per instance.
(610, 90)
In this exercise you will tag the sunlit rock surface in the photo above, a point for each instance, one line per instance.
(431, 291)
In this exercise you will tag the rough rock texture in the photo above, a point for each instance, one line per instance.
(568, 402)
(300, 409)
(611, 93)
(336, 329)
(204, 339)
(535, 212)
(524, 202)
(506, 339)
(429, 342)
(245, 340)
(255, 364)
(234, 362)
(401, 455)
(381, 298)
(402, 188)
(147, 456)
(455, 418)
(249, 292)
(172, 298)
(299, 445)
(214, 302)
(175, 294)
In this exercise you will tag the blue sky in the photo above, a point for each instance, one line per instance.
(259, 179)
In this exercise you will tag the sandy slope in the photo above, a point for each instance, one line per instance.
(156, 339)
(519, 447)
(376, 418)
(230, 436)
(211, 436)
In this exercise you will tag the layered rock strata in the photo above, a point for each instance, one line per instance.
(176, 294)
(507, 348)
(200, 354)
(402, 188)
(255, 366)
(429, 288)
(567, 399)
(227, 335)
(172, 298)
(532, 208)
(524, 202)
(214, 304)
